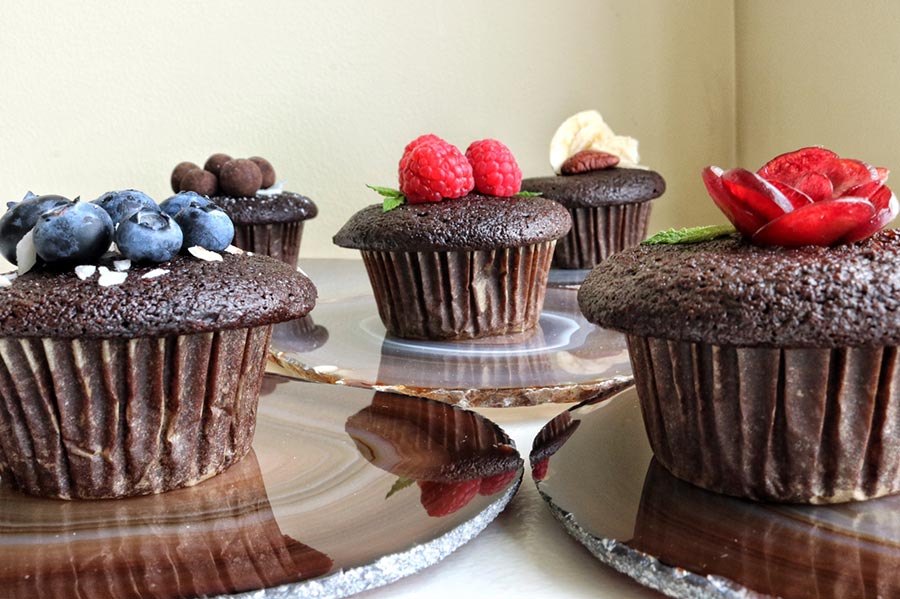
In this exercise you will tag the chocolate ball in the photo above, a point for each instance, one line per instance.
(240, 178)
(180, 171)
(200, 181)
(267, 170)
(214, 163)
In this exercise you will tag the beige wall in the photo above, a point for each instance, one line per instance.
(823, 72)
(100, 95)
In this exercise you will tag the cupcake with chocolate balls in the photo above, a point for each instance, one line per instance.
(135, 368)
(599, 181)
(457, 252)
(267, 219)
(765, 355)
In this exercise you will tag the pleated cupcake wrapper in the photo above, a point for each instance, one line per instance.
(460, 295)
(278, 240)
(598, 232)
(793, 425)
(110, 418)
(225, 536)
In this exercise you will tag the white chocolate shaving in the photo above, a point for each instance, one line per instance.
(108, 277)
(276, 189)
(204, 254)
(85, 271)
(122, 265)
(233, 249)
(26, 254)
(324, 369)
(155, 273)
(4, 282)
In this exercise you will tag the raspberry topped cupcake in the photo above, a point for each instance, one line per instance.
(268, 220)
(456, 252)
(134, 371)
(599, 180)
(765, 358)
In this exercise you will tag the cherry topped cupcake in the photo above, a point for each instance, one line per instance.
(268, 220)
(457, 252)
(599, 180)
(765, 358)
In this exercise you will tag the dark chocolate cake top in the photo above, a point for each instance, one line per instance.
(264, 209)
(472, 222)
(729, 292)
(599, 188)
(195, 296)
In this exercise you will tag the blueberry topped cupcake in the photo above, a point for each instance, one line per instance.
(456, 252)
(138, 370)
(268, 220)
(765, 358)
(598, 179)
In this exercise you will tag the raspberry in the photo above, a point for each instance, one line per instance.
(494, 168)
(496, 483)
(442, 499)
(539, 469)
(432, 169)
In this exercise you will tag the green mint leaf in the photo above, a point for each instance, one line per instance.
(528, 194)
(391, 203)
(385, 191)
(690, 235)
(398, 486)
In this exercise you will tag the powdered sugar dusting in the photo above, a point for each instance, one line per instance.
(202, 253)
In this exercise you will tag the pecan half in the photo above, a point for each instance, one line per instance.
(588, 160)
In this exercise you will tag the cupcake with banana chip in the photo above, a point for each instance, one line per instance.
(601, 183)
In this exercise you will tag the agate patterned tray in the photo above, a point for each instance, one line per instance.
(345, 490)
(565, 359)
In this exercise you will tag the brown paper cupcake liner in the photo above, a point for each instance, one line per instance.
(462, 294)
(600, 231)
(792, 425)
(278, 240)
(93, 418)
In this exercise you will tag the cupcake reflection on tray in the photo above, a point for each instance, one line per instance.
(841, 551)
(451, 455)
(219, 537)
(300, 335)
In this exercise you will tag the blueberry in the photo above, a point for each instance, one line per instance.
(21, 218)
(122, 204)
(207, 226)
(148, 236)
(173, 205)
(79, 232)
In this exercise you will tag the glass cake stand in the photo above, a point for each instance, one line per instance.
(593, 466)
(345, 490)
(343, 341)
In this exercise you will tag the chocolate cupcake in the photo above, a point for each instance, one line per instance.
(610, 211)
(598, 182)
(267, 219)
(769, 372)
(449, 263)
(140, 383)
(463, 268)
